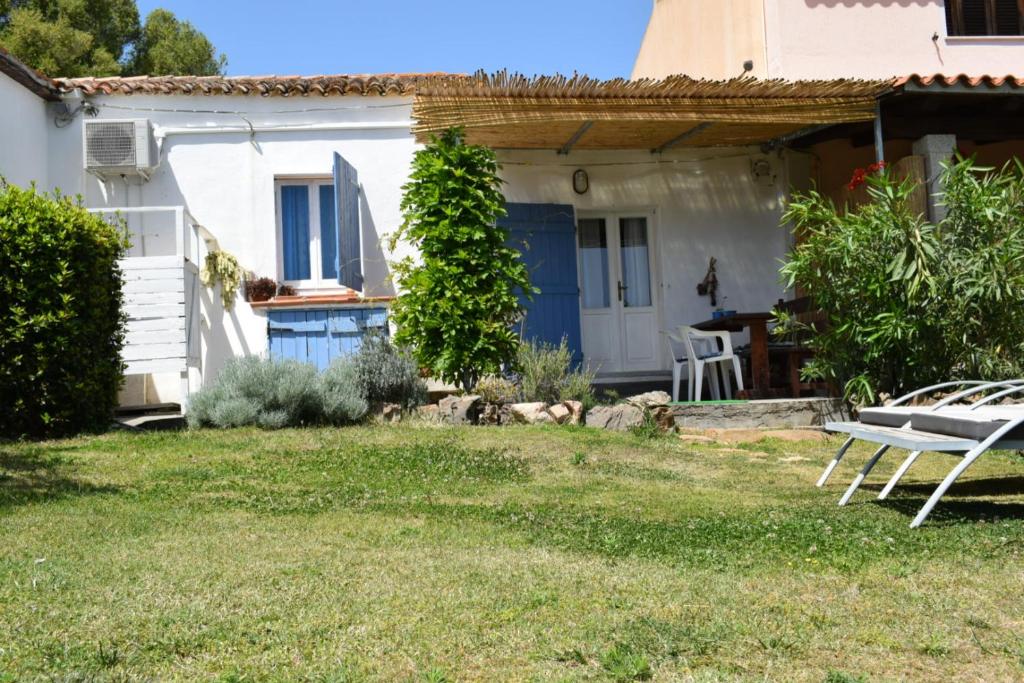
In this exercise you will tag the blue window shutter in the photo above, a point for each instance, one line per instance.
(346, 210)
(295, 231)
(328, 234)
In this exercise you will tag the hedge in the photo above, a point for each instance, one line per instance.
(61, 320)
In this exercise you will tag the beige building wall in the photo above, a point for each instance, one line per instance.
(797, 39)
(703, 38)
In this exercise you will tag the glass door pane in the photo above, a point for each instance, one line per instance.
(594, 263)
(636, 263)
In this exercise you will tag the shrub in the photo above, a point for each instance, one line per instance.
(61, 321)
(388, 374)
(259, 391)
(495, 389)
(547, 374)
(274, 394)
(459, 298)
(909, 303)
(342, 397)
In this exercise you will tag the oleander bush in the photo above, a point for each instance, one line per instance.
(61, 320)
(909, 303)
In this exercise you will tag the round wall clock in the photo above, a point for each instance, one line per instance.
(580, 181)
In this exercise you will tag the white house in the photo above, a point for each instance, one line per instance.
(620, 192)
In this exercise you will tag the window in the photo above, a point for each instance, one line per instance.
(985, 17)
(308, 233)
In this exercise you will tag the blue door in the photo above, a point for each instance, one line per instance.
(545, 235)
(318, 336)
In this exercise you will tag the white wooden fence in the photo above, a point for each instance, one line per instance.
(161, 295)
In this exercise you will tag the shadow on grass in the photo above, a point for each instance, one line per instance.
(40, 474)
(953, 512)
(989, 486)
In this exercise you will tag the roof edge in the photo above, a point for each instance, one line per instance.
(28, 77)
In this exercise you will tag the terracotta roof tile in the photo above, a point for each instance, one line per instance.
(283, 86)
(27, 76)
(948, 80)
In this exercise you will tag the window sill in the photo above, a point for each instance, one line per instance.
(984, 40)
(311, 300)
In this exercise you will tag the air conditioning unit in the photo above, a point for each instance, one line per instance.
(120, 147)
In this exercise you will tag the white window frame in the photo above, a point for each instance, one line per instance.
(316, 281)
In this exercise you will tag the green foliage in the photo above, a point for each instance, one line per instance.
(388, 374)
(497, 389)
(103, 38)
(909, 303)
(61, 325)
(258, 391)
(547, 374)
(170, 46)
(343, 397)
(648, 427)
(836, 676)
(623, 664)
(220, 266)
(458, 303)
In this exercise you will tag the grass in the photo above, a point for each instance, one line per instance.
(534, 554)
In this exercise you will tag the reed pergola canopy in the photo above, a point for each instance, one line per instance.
(564, 113)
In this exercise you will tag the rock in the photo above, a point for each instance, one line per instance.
(459, 410)
(560, 413)
(620, 417)
(494, 414)
(391, 412)
(531, 413)
(575, 412)
(649, 399)
(428, 413)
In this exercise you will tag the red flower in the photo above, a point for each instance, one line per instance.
(861, 174)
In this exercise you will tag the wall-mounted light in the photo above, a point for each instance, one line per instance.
(761, 171)
(580, 181)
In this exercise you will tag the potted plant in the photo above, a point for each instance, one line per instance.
(260, 289)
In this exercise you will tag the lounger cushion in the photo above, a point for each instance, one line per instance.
(970, 424)
(896, 416)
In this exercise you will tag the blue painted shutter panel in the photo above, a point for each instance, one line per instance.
(295, 231)
(328, 233)
(545, 235)
(346, 209)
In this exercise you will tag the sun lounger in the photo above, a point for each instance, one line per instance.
(968, 430)
(897, 414)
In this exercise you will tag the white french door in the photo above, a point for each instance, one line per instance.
(618, 296)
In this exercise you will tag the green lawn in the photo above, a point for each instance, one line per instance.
(536, 554)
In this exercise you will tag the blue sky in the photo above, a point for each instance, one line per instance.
(366, 36)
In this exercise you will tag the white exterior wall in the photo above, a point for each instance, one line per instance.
(226, 180)
(706, 204)
(23, 134)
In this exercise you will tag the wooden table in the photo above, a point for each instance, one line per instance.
(758, 324)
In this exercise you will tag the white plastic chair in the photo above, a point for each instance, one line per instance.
(677, 347)
(703, 348)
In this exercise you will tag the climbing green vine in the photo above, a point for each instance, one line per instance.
(223, 267)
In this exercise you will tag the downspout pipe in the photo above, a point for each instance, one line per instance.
(879, 142)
